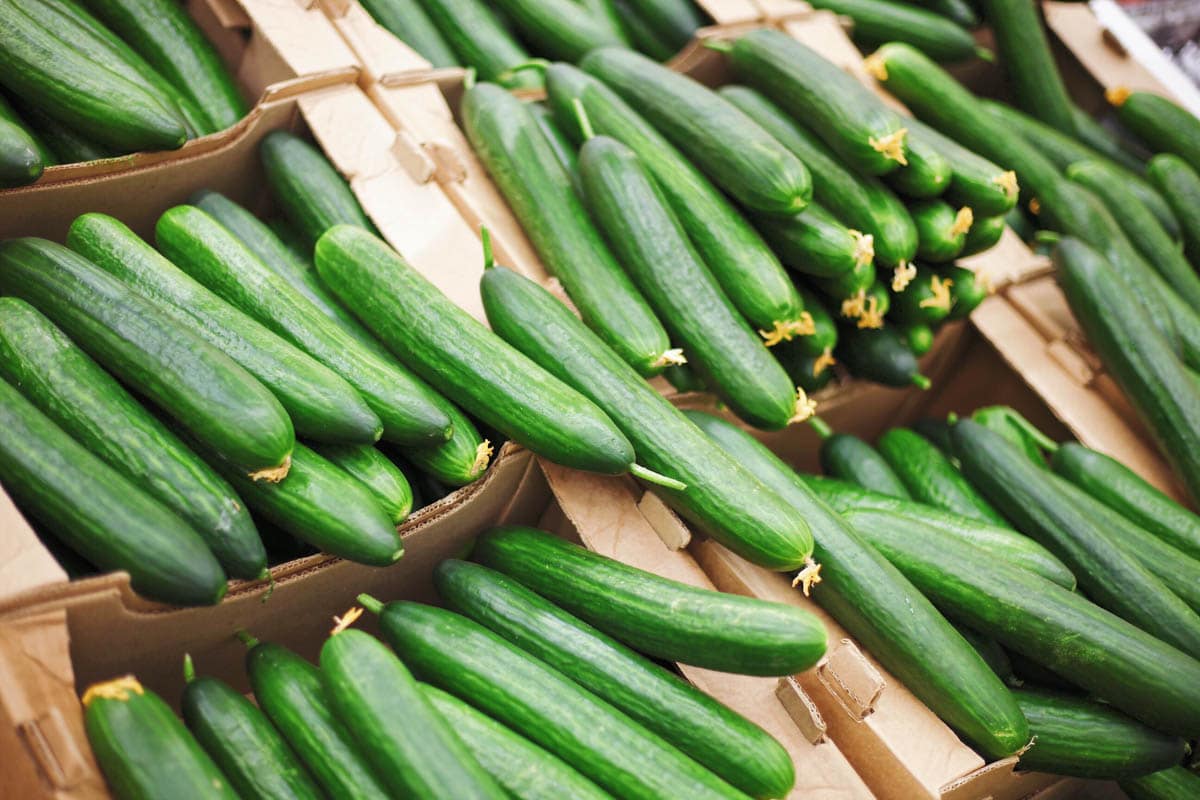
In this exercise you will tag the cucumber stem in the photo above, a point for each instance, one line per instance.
(1046, 237)
(658, 479)
(189, 669)
(585, 124)
(245, 638)
(535, 64)
(984, 54)
(370, 603)
(1040, 439)
(821, 427)
(469, 78)
(719, 45)
(921, 382)
(485, 236)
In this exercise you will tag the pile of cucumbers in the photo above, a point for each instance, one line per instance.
(537, 680)
(90, 79)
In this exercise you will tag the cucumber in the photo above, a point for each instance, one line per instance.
(411, 25)
(241, 740)
(860, 202)
(1013, 427)
(810, 372)
(482, 41)
(1030, 674)
(984, 234)
(868, 135)
(1178, 572)
(673, 21)
(1028, 63)
(1162, 125)
(525, 770)
(880, 355)
(145, 349)
(1066, 520)
(1180, 184)
(879, 21)
(67, 145)
(1173, 783)
(22, 155)
(521, 162)
(1082, 738)
(824, 336)
(163, 33)
(849, 458)
(321, 504)
(557, 29)
(928, 172)
(290, 691)
(814, 242)
(849, 290)
(89, 405)
(51, 74)
(968, 289)
(1124, 491)
(941, 229)
(311, 193)
(714, 491)
(662, 618)
(635, 218)
(411, 412)
(918, 337)
(22, 122)
(639, 33)
(740, 260)
(734, 151)
(373, 469)
(877, 301)
(1165, 395)
(412, 749)
(460, 460)
(564, 151)
(976, 182)
(120, 527)
(991, 652)
(1113, 142)
(937, 431)
(960, 12)
(927, 299)
(683, 379)
(322, 406)
(142, 747)
(930, 477)
(886, 614)
(607, 15)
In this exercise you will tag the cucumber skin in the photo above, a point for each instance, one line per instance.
(927, 174)
(814, 242)
(727, 743)
(482, 41)
(931, 478)
(977, 182)
(373, 469)
(144, 751)
(920, 303)
(845, 456)
(842, 287)
(458, 461)
(1180, 573)
(535, 701)
(408, 22)
(181, 373)
(825, 334)
(967, 290)
(521, 162)
(985, 234)
(991, 651)
(20, 161)
(545, 24)
(885, 613)
(1163, 125)
(879, 354)
(1025, 53)
(89, 405)
(443, 343)
(563, 149)
(1113, 144)
(648, 240)
(919, 338)
(1174, 783)
(673, 21)
(67, 146)
(662, 618)
(1180, 184)
(880, 21)
(935, 220)
(640, 35)
(725, 500)
(40, 151)
(119, 528)
(243, 743)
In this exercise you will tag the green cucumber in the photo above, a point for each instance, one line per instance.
(142, 747)
(89, 404)
(879, 21)
(814, 242)
(977, 182)
(734, 151)
(1013, 427)
(862, 203)
(1113, 142)
(991, 652)
(482, 41)
(119, 527)
(1029, 65)
(675, 22)
(880, 355)
(639, 33)
(648, 240)
(1178, 572)
(886, 614)
(521, 162)
(564, 151)
(373, 469)
(411, 412)
(919, 338)
(1173, 783)
(525, 770)
(515, 689)
(1180, 184)
(163, 33)
(985, 234)
(662, 618)
(1081, 738)
(605, 13)
(930, 477)
(411, 25)
(1030, 674)
(560, 29)
(21, 121)
(290, 691)
(730, 745)
(810, 373)
(241, 740)
(866, 133)
(928, 172)
(412, 749)
(67, 144)
(1162, 125)
(849, 290)
(713, 491)
(960, 12)
(937, 431)
(22, 155)
(968, 289)
(941, 229)
(494, 382)
(750, 274)
(849, 458)
(825, 334)
(458, 461)
(926, 299)
(189, 379)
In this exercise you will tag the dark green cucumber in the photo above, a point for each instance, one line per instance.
(731, 148)
(412, 413)
(930, 477)
(724, 741)
(119, 527)
(521, 162)
(635, 218)
(242, 741)
(1081, 738)
(985, 234)
(1032, 72)
(926, 299)
(606, 14)
(67, 144)
(313, 196)
(373, 469)
(412, 749)
(991, 652)
(142, 747)
(1013, 427)
(89, 404)
(639, 33)
(460, 460)
(810, 373)
(716, 491)
(1065, 520)
(50, 73)
(814, 242)
(673, 21)
(968, 289)
(482, 41)
(1173, 783)
(209, 394)
(1162, 125)
(525, 770)
(22, 122)
(22, 155)
(977, 182)
(886, 614)
(684, 379)
(856, 124)
(824, 336)
(322, 406)
(941, 229)
(163, 33)
(560, 29)
(740, 260)
(928, 172)
(1180, 184)
(848, 290)
(1031, 675)
(919, 338)
(323, 505)
(1126, 492)
(936, 430)
(411, 25)
(960, 12)
(1114, 143)
(849, 458)
(657, 616)
(1166, 397)
(879, 21)
(862, 203)
(564, 151)
(290, 691)
(881, 355)
(515, 689)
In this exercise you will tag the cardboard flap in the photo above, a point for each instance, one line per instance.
(851, 678)
(665, 522)
(801, 709)
(24, 561)
(377, 50)
(302, 37)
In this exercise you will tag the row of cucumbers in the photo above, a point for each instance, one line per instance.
(90, 79)
(536, 682)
